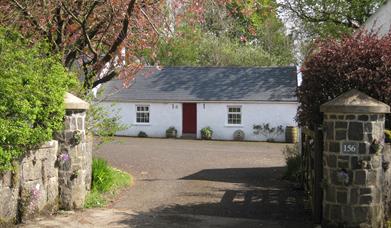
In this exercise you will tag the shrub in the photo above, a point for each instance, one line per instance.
(361, 61)
(142, 134)
(293, 163)
(32, 89)
(387, 134)
(206, 133)
(171, 132)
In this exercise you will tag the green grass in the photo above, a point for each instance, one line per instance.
(106, 181)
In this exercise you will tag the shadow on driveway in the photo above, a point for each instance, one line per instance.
(261, 200)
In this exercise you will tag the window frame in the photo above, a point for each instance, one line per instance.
(240, 114)
(137, 111)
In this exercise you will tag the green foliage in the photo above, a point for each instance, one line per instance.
(293, 163)
(387, 134)
(102, 177)
(106, 180)
(32, 88)
(103, 122)
(246, 33)
(200, 49)
(95, 199)
(206, 133)
(330, 18)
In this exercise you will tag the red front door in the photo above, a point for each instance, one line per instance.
(189, 119)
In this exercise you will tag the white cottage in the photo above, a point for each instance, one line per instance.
(225, 99)
(380, 22)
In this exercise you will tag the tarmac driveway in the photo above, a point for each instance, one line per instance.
(192, 183)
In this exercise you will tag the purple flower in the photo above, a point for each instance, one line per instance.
(64, 157)
(34, 196)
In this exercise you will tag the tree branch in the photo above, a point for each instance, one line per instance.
(30, 17)
(326, 17)
(59, 27)
(150, 22)
(80, 44)
(120, 38)
(106, 78)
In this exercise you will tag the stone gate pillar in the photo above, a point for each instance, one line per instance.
(352, 160)
(75, 155)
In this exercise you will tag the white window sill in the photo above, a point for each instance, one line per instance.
(234, 125)
(141, 124)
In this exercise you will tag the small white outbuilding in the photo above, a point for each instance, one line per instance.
(226, 99)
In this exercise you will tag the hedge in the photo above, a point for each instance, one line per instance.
(32, 88)
(361, 61)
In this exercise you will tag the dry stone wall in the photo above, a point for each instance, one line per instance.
(32, 187)
(55, 176)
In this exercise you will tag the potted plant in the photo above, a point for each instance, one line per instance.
(171, 132)
(142, 134)
(206, 133)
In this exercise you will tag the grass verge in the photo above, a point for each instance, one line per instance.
(106, 182)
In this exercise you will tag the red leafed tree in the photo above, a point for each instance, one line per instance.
(91, 35)
(361, 61)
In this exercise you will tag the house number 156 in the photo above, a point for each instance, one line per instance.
(349, 148)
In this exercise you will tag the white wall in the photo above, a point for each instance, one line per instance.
(380, 21)
(162, 116)
(215, 116)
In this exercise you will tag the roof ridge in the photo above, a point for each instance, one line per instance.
(231, 67)
(249, 67)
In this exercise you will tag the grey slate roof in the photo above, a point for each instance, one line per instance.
(207, 84)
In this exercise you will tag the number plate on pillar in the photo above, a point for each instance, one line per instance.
(350, 148)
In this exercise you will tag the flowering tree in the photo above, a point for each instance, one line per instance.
(361, 61)
(93, 34)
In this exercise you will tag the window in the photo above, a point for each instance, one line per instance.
(142, 114)
(234, 115)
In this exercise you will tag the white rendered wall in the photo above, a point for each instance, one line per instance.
(215, 116)
(162, 116)
(380, 21)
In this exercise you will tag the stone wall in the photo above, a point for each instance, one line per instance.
(55, 176)
(32, 187)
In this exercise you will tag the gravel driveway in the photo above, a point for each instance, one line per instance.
(192, 183)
